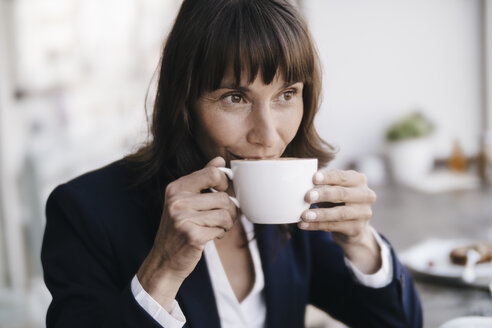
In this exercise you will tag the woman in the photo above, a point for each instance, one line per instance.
(141, 243)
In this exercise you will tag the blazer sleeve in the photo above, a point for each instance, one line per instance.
(334, 290)
(81, 272)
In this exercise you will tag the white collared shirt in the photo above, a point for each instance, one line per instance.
(251, 312)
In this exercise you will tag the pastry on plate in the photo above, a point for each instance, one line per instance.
(458, 255)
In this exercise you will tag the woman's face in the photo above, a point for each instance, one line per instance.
(253, 121)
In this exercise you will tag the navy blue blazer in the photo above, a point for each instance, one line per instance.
(100, 228)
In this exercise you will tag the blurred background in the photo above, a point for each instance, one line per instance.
(406, 100)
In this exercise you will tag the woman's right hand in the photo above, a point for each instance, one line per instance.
(189, 220)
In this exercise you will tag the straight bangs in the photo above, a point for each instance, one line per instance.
(251, 38)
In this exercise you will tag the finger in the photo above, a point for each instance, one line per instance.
(217, 162)
(208, 177)
(198, 235)
(338, 194)
(201, 202)
(224, 181)
(347, 228)
(219, 218)
(339, 177)
(340, 213)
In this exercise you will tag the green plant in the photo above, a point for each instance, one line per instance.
(414, 125)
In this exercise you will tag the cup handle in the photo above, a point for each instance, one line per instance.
(230, 175)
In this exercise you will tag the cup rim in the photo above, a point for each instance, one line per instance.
(276, 160)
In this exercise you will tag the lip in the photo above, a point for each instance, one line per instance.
(234, 156)
(251, 157)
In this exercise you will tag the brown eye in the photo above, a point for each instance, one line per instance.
(288, 95)
(236, 99)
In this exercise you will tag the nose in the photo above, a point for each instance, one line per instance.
(264, 126)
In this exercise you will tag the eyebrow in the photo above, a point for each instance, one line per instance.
(246, 89)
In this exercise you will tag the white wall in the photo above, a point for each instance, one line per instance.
(10, 157)
(2, 108)
(383, 58)
(487, 50)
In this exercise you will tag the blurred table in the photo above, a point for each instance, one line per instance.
(407, 217)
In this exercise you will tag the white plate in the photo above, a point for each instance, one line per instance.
(469, 322)
(430, 258)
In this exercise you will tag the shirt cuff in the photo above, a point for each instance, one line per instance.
(174, 319)
(384, 275)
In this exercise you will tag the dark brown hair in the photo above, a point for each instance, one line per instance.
(268, 37)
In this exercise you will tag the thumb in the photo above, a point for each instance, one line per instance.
(217, 162)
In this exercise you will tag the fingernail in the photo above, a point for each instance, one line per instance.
(304, 225)
(318, 177)
(310, 216)
(313, 195)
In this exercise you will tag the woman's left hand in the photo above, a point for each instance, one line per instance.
(344, 208)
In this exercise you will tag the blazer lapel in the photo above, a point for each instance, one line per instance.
(196, 298)
(277, 276)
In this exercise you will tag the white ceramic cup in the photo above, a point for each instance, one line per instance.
(272, 191)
